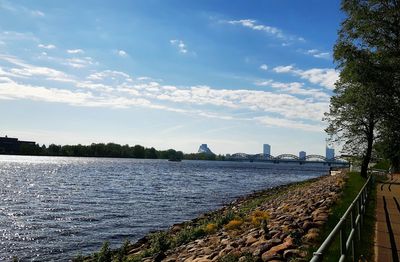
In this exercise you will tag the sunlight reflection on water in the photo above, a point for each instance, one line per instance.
(54, 207)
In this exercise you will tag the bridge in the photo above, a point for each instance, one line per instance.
(289, 158)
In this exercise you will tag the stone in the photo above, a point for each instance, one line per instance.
(307, 225)
(201, 259)
(321, 217)
(207, 250)
(279, 248)
(269, 258)
(250, 240)
(289, 253)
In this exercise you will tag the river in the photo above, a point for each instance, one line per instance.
(53, 208)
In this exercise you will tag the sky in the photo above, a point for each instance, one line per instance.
(169, 74)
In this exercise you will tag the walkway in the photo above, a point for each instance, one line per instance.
(387, 232)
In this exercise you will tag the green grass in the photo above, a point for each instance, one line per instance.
(352, 187)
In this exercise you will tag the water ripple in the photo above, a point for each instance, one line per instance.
(54, 207)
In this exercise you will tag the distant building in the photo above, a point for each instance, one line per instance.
(267, 149)
(10, 145)
(302, 155)
(205, 150)
(329, 153)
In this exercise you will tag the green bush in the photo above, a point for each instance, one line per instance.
(105, 253)
(78, 258)
(123, 251)
(189, 234)
(160, 242)
(224, 219)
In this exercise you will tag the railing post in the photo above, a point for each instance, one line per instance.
(353, 227)
(342, 242)
(359, 205)
(357, 208)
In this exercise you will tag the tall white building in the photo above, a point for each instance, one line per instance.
(329, 153)
(266, 149)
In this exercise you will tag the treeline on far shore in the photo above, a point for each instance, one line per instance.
(112, 150)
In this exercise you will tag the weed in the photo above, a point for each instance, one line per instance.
(258, 217)
(210, 228)
(224, 219)
(233, 224)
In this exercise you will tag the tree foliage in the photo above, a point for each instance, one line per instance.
(365, 106)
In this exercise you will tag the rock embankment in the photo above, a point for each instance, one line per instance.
(290, 221)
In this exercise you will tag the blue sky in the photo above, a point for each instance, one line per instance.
(169, 74)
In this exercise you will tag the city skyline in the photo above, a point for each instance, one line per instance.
(168, 75)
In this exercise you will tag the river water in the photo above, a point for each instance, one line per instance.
(53, 208)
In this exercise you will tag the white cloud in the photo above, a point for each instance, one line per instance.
(117, 89)
(252, 24)
(318, 54)
(49, 46)
(286, 123)
(80, 62)
(182, 48)
(110, 75)
(271, 30)
(122, 53)
(15, 8)
(37, 13)
(295, 88)
(325, 77)
(264, 67)
(20, 69)
(75, 51)
(283, 69)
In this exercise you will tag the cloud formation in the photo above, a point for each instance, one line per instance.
(252, 24)
(264, 67)
(122, 53)
(115, 89)
(325, 77)
(49, 46)
(270, 30)
(296, 88)
(75, 51)
(182, 48)
(318, 54)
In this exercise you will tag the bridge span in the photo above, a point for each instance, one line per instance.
(338, 161)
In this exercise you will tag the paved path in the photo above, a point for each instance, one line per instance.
(387, 232)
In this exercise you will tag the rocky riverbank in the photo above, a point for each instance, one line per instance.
(278, 224)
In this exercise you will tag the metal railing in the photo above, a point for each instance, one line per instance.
(355, 213)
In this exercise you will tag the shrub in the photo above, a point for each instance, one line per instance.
(188, 234)
(233, 224)
(259, 217)
(210, 228)
(224, 219)
(160, 242)
(123, 251)
(105, 253)
(78, 258)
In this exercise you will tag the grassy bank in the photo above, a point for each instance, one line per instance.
(354, 183)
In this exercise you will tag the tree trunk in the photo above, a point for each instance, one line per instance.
(368, 153)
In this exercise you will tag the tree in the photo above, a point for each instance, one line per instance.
(367, 52)
(353, 118)
(138, 151)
